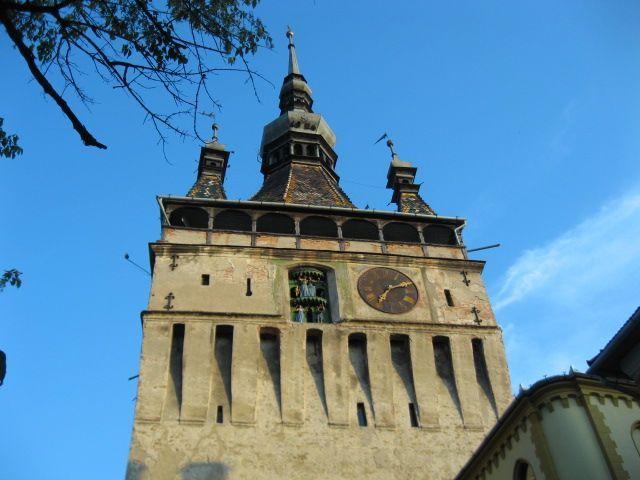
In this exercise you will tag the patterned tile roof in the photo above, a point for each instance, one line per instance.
(207, 186)
(302, 184)
(413, 203)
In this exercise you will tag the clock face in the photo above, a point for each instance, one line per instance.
(387, 290)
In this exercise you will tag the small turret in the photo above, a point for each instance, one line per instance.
(211, 169)
(400, 178)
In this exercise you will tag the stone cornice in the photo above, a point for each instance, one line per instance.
(356, 325)
(300, 255)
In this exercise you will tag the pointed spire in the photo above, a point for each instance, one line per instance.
(298, 160)
(400, 178)
(295, 93)
(212, 169)
(293, 58)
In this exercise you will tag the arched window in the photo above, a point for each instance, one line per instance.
(191, 217)
(523, 471)
(232, 220)
(439, 235)
(309, 295)
(276, 223)
(360, 229)
(312, 150)
(400, 232)
(319, 227)
(297, 149)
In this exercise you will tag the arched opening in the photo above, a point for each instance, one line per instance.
(276, 223)
(319, 227)
(191, 217)
(232, 220)
(359, 229)
(523, 471)
(439, 235)
(357, 345)
(312, 150)
(404, 387)
(482, 373)
(297, 149)
(400, 232)
(270, 347)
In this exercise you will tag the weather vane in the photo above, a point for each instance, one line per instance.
(389, 143)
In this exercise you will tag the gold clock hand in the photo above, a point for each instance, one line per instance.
(383, 296)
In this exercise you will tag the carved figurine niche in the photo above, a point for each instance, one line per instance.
(309, 295)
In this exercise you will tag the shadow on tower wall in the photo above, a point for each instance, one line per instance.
(205, 471)
(191, 471)
(135, 470)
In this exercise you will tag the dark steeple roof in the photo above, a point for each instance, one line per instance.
(298, 160)
(211, 170)
(295, 93)
(400, 178)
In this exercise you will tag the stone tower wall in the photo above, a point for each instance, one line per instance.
(229, 385)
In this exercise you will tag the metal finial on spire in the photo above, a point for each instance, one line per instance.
(390, 145)
(290, 34)
(215, 127)
(293, 58)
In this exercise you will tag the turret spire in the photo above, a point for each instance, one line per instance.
(295, 93)
(212, 168)
(293, 58)
(400, 178)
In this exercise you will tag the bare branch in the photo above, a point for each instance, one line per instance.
(16, 38)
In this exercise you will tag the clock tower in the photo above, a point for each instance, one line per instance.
(295, 335)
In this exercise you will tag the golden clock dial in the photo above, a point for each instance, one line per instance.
(387, 290)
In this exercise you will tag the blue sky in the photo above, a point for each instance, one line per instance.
(523, 117)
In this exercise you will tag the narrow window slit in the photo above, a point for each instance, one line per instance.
(413, 415)
(219, 415)
(270, 347)
(447, 294)
(223, 353)
(249, 292)
(205, 279)
(362, 414)
(175, 362)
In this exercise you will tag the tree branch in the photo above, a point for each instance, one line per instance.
(29, 7)
(16, 38)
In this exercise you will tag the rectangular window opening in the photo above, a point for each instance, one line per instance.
(362, 414)
(447, 294)
(413, 415)
(249, 292)
(219, 415)
(205, 279)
